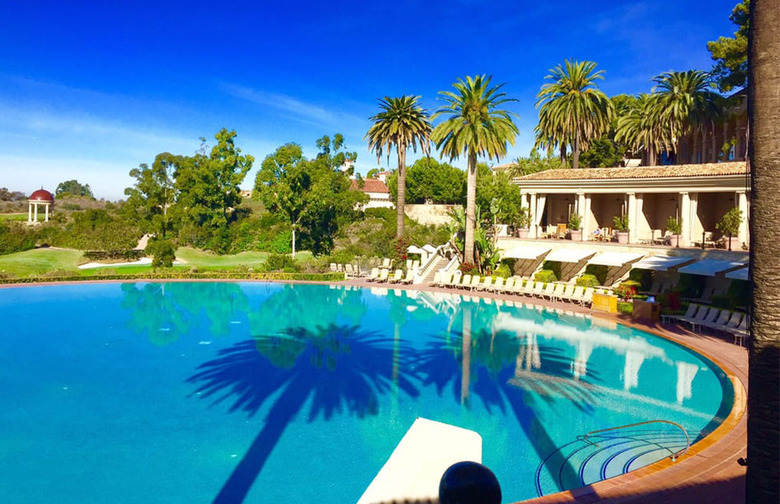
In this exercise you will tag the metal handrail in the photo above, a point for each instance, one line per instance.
(673, 456)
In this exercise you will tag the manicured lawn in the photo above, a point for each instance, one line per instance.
(38, 261)
(208, 260)
(13, 217)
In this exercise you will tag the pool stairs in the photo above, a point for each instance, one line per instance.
(414, 469)
(605, 453)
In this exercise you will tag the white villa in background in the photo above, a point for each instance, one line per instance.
(696, 194)
(376, 188)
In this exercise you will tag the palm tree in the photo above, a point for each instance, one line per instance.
(685, 99)
(572, 110)
(474, 126)
(764, 123)
(643, 128)
(403, 123)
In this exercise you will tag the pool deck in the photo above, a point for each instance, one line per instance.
(709, 472)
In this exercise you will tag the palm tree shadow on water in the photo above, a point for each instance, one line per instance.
(508, 373)
(339, 367)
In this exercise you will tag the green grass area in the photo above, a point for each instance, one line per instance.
(208, 260)
(39, 261)
(21, 217)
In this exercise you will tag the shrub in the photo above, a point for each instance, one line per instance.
(468, 268)
(598, 271)
(342, 257)
(15, 238)
(575, 221)
(587, 280)
(545, 276)
(113, 255)
(642, 277)
(620, 223)
(625, 307)
(690, 286)
(554, 266)
(163, 251)
(504, 271)
(625, 291)
(280, 262)
(721, 301)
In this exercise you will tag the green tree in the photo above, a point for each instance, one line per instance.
(496, 191)
(642, 128)
(402, 123)
(730, 53)
(150, 200)
(73, 188)
(430, 180)
(572, 110)
(763, 424)
(474, 126)
(208, 189)
(312, 195)
(685, 99)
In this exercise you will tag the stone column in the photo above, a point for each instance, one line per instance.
(35, 215)
(29, 212)
(742, 204)
(586, 211)
(47, 213)
(685, 215)
(633, 223)
(533, 232)
(580, 210)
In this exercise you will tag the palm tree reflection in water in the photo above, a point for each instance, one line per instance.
(338, 367)
(506, 371)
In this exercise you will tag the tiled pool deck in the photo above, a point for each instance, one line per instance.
(709, 472)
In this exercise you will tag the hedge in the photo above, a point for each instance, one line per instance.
(545, 276)
(112, 255)
(185, 275)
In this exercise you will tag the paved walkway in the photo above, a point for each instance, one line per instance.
(708, 472)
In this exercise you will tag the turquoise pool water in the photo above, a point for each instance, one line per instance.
(223, 392)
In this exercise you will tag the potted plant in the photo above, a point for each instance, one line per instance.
(621, 225)
(575, 227)
(674, 226)
(729, 226)
(523, 222)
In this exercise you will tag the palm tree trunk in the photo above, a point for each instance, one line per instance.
(401, 199)
(563, 154)
(763, 473)
(575, 155)
(471, 203)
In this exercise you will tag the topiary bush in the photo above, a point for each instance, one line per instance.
(587, 281)
(554, 266)
(503, 271)
(598, 271)
(545, 276)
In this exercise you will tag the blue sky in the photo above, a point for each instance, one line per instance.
(89, 90)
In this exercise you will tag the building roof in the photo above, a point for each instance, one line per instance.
(42, 195)
(644, 172)
(370, 186)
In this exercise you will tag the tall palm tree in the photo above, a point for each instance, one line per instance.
(763, 105)
(685, 99)
(474, 126)
(572, 110)
(643, 128)
(402, 123)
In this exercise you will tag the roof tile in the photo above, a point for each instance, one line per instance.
(688, 170)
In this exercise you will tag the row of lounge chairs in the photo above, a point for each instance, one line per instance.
(700, 317)
(382, 275)
(515, 286)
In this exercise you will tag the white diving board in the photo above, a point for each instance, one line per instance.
(415, 468)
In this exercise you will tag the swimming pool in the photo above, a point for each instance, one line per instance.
(208, 391)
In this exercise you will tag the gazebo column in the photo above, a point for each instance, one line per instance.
(541, 200)
(633, 223)
(533, 232)
(35, 217)
(47, 213)
(742, 204)
(685, 215)
(29, 212)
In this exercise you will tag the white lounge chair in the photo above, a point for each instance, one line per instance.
(373, 276)
(538, 289)
(578, 295)
(486, 285)
(474, 282)
(465, 282)
(666, 319)
(509, 285)
(741, 332)
(587, 298)
(722, 320)
(397, 276)
(700, 315)
(497, 285)
(409, 278)
(558, 292)
(438, 279)
(548, 291)
(383, 275)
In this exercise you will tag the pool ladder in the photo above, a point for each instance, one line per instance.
(613, 451)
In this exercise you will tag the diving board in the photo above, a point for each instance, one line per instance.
(415, 467)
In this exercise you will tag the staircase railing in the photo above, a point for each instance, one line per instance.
(673, 455)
